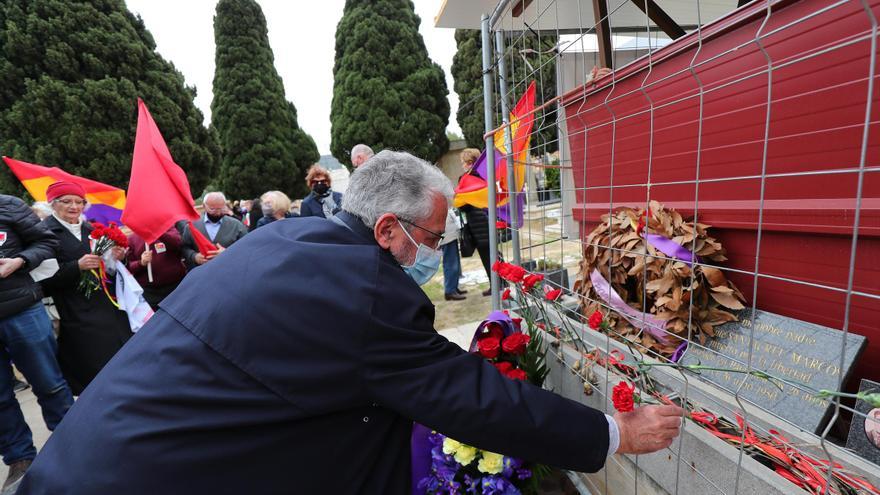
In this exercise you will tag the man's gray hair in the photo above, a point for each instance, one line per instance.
(398, 183)
(214, 194)
(361, 149)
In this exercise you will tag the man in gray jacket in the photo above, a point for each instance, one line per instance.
(25, 336)
(217, 227)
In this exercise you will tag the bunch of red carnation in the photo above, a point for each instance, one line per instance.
(106, 237)
(503, 352)
(103, 239)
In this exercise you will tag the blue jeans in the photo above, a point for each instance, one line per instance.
(451, 267)
(26, 339)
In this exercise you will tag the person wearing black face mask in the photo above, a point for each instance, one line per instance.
(322, 201)
(220, 229)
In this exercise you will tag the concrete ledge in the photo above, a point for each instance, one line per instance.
(707, 464)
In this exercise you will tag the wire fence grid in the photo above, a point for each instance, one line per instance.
(672, 123)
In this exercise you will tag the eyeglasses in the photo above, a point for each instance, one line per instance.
(68, 202)
(435, 234)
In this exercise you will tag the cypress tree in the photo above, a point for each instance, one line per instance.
(70, 75)
(263, 147)
(467, 74)
(387, 93)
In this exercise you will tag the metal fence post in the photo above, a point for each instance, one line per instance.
(508, 143)
(490, 154)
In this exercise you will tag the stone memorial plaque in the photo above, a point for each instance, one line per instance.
(786, 348)
(864, 435)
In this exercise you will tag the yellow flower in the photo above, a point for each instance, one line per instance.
(491, 463)
(465, 455)
(450, 446)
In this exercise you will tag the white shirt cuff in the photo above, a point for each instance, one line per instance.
(613, 435)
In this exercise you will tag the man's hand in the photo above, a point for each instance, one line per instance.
(8, 266)
(213, 254)
(200, 259)
(648, 429)
(146, 258)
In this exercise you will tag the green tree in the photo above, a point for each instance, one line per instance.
(528, 58)
(263, 147)
(386, 91)
(70, 75)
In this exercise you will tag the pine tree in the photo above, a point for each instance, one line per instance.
(70, 75)
(263, 147)
(386, 92)
(467, 72)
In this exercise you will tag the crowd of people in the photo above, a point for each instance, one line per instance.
(57, 336)
(396, 205)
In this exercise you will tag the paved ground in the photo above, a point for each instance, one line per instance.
(32, 415)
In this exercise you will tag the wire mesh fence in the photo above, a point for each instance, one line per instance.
(716, 198)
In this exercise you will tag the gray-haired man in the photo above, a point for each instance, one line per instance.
(308, 377)
(360, 154)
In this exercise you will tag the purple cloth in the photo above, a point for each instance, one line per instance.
(649, 323)
(503, 212)
(507, 326)
(671, 248)
(421, 456)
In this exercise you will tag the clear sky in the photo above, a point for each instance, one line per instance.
(302, 35)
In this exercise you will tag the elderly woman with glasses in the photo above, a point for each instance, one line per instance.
(92, 328)
(322, 201)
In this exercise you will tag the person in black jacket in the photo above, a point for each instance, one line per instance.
(25, 335)
(308, 377)
(477, 219)
(322, 201)
(92, 328)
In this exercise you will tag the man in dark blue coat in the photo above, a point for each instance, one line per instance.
(311, 382)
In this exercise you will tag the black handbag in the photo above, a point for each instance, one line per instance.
(466, 242)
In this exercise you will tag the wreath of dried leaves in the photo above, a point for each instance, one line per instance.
(637, 269)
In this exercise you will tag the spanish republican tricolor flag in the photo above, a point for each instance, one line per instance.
(472, 189)
(105, 202)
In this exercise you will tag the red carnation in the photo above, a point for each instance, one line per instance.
(489, 347)
(504, 367)
(595, 320)
(553, 295)
(511, 273)
(506, 294)
(491, 330)
(515, 344)
(500, 224)
(97, 233)
(531, 280)
(517, 374)
(517, 322)
(622, 396)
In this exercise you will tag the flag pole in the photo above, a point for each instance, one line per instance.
(149, 268)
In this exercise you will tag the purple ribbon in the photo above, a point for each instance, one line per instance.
(679, 352)
(670, 248)
(498, 317)
(648, 323)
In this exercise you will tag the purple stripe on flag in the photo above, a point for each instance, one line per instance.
(104, 214)
(649, 323)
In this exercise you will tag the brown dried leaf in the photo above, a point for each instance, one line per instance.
(727, 300)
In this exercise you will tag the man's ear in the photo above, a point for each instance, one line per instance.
(385, 229)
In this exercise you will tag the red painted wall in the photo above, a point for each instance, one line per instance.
(817, 116)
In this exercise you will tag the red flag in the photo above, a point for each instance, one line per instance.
(202, 242)
(158, 191)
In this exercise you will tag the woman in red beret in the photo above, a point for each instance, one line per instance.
(92, 328)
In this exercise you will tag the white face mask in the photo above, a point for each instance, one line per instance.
(426, 262)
